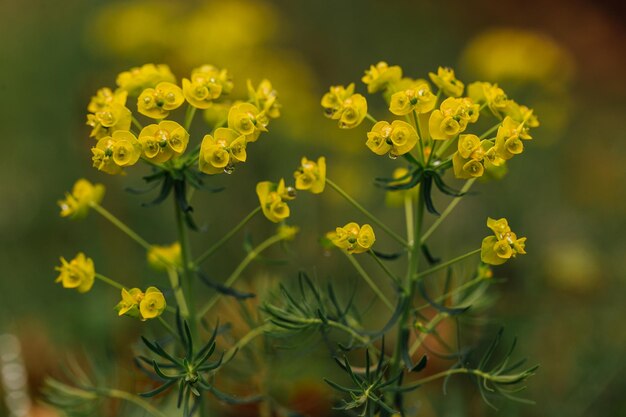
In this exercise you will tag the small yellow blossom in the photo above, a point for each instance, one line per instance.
(207, 84)
(490, 94)
(452, 118)
(108, 119)
(78, 273)
(264, 97)
(136, 303)
(333, 101)
(497, 249)
(112, 153)
(379, 76)
(353, 238)
(105, 97)
(163, 141)
(161, 258)
(137, 79)
(76, 204)
(220, 152)
(473, 156)
(509, 138)
(419, 98)
(395, 139)
(311, 175)
(353, 111)
(130, 302)
(273, 197)
(447, 82)
(248, 120)
(157, 102)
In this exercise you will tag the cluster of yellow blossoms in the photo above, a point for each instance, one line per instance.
(79, 273)
(83, 196)
(158, 96)
(353, 238)
(497, 249)
(145, 305)
(445, 121)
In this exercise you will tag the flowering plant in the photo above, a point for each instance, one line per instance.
(428, 130)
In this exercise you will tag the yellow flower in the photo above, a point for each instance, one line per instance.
(220, 153)
(78, 273)
(163, 141)
(287, 232)
(353, 238)
(163, 257)
(452, 118)
(378, 77)
(129, 305)
(157, 102)
(333, 101)
(418, 98)
(76, 204)
(264, 97)
(521, 114)
(104, 97)
(490, 94)
(353, 111)
(112, 153)
(447, 82)
(137, 79)
(504, 245)
(509, 138)
(311, 176)
(272, 198)
(248, 120)
(206, 85)
(473, 156)
(395, 139)
(153, 304)
(108, 119)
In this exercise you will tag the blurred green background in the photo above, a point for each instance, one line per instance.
(564, 300)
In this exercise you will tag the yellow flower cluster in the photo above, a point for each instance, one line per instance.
(158, 95)
(79, 273)
(161, 258)
(77, 203)
(341, 104)
(497, 249)
(145, 305)
(452, 118)
(394, 139)
(353, 238)
(311, 175)
(273, 199)
(380, 76)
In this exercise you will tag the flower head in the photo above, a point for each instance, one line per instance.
(264, 97)
(108, 119)
(76, 204)
(220, 152)
(163, 141)
(340, 103)
(157, 102)
(207, 84)
(353, 238)
(145, 305)
(497, 249)
(394, 139)
(418, 97)
(311, 175)
(105, 97)
(78, 273)
(490, 94)
(163, 257)
(112, 153)
(332, 102)
(379, 76)
(452, 118)
(474, 156)
(248, 120)
(273, 199)
(137, 79)
(447, 82)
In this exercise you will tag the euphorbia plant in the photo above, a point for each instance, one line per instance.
(428, 133)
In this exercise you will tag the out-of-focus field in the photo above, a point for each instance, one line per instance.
(564, 300)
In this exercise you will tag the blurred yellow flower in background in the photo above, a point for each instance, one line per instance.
(78, 273)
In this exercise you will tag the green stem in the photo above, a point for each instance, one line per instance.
(418, 127)
(456, 200)
(432, 324)
(369, 215)
(179, 295)
(390, 274)
(371, 118)
(127, 396)
(110, 281)
(369, 280)
(490, 131)
(136, 123)
(251, 335)
(207, 254)
(189, 114)
(237, 272)
(186, 287)
(455, 291)
(446, 264)
(118, 223)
